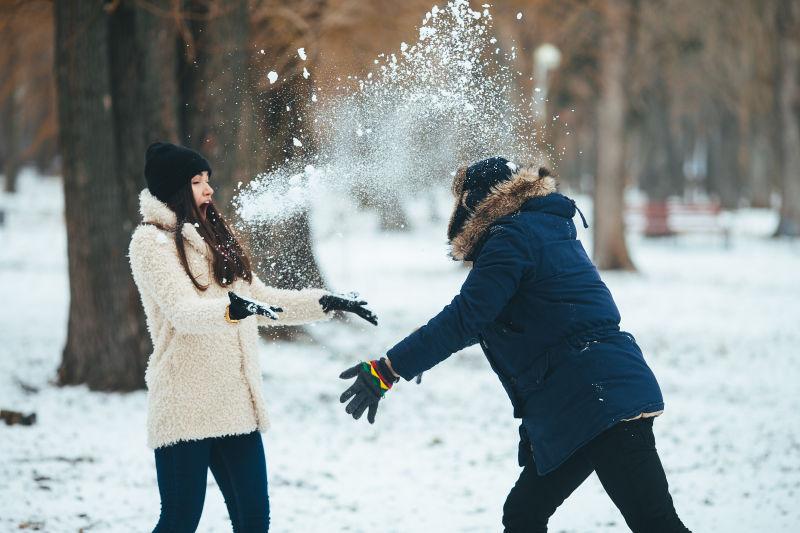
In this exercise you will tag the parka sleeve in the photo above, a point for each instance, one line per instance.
(299, 306)
(160, 276)
(493, 280)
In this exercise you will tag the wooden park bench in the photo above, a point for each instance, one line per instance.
(674, 217)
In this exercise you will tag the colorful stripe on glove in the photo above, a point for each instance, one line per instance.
(383, 383)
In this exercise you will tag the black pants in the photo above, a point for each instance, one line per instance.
(627, 463)
(238, 465)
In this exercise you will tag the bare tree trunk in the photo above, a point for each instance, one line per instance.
(724, 164)
(288, 243)
(8, 114)
(610, 250)
(214, 87)
(284, 251)
(662, 173)
(11, 137)
(104, 346)
(789, 102)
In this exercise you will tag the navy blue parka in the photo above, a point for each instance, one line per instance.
(545, 321)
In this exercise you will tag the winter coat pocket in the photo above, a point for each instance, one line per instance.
(534, 377)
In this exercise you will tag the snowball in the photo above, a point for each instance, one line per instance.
(296, 142)
(519, 16)
(302, 53)
(272, 77)
(305, 73)
(403, 47)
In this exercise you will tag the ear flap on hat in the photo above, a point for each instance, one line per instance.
(458, 181)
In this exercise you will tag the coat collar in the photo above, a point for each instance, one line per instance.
(156, 212)
(505, 198)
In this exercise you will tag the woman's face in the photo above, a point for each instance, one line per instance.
(202, 192)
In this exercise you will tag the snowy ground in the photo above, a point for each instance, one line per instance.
(719, 326)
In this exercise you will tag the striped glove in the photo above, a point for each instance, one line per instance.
(373, 379)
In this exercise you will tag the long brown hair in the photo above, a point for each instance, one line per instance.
(230, 259)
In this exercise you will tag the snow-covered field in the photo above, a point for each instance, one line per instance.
(719, 326)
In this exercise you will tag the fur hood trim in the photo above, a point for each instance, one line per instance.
(505, 198)
(157, 213)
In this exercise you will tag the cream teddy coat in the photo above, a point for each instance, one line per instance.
(203, 377)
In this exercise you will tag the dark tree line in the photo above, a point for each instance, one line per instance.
(708, 102)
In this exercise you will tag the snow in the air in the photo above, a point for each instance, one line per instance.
(425, 113)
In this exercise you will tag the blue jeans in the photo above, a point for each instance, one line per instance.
(238, 465)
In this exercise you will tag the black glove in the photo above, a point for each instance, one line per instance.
(241, 308)
(349, 303)
(373, 379)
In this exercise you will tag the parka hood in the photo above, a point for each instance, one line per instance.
(505, 198)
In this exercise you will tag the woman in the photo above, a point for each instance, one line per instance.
(203, 306)
(550, 329)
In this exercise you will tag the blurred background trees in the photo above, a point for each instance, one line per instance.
(694, 101)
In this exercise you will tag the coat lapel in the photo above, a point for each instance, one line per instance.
(156, 212)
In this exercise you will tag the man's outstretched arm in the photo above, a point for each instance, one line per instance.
(493, 280)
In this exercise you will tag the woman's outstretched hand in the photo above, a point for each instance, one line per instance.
(349, 303)
(241, 308)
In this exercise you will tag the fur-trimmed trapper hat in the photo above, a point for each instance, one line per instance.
(485, 191)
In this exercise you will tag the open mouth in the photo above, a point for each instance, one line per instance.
(204, 207)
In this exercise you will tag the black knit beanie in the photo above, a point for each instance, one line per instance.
(482, 176)
(168, 167)
(473, 186)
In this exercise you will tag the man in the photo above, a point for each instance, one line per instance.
(550, 329)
